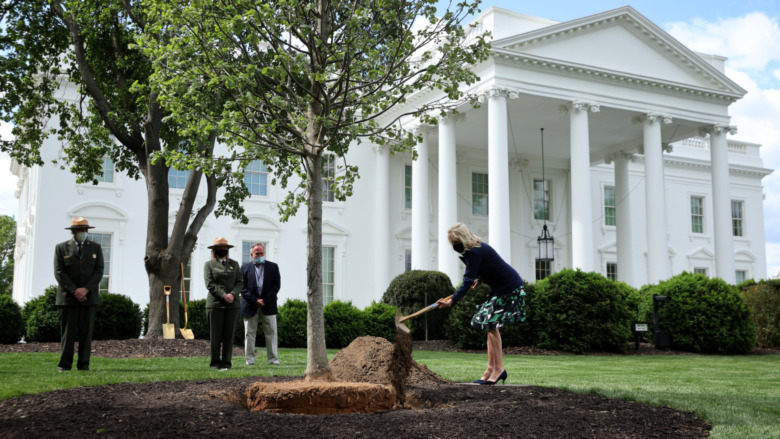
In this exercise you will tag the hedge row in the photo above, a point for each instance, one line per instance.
(763, 300)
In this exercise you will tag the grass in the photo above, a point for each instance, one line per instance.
(738, 395)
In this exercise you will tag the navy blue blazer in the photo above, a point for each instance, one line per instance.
(272, 282)
(485, 263)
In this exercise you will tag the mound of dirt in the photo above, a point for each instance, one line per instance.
(368, 359)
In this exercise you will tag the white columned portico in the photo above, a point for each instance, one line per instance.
(625, 245)
(721, 202)
(448, 197)
(498, 174)
(382, 219)
(581, 208)
(421, 230)
(655, 195)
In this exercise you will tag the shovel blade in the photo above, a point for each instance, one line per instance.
(399, 325)
(169, 331)
(187, 334)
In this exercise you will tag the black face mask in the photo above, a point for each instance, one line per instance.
(458, 247)
(220, 253)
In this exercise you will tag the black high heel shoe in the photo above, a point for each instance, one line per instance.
(478, 381)
(501, 378)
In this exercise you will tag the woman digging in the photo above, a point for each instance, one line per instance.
(506, 305)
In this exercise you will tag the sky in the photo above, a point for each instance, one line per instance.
(747, 32)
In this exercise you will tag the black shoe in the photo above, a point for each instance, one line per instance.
(478, 381)
(84, 369)
(501, 377)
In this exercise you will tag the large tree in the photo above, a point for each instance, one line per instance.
(7, 244)
(302, 78)
(49, 46)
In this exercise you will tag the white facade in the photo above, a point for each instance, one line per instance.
(625, 108)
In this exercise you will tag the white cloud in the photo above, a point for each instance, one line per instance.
(750, 42)
(752, 45)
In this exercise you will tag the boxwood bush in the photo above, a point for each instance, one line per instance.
(117, 318)
(416, 289)
(31, 304)
(763, 300)
(459, 330)
(43, 323)
(581, 311)
(705, 315)
(291, 324)
(12, 329)
(379, 321)
(343, 324)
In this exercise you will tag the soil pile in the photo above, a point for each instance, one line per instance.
(368, 360)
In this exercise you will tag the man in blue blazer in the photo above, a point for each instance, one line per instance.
(261, 284)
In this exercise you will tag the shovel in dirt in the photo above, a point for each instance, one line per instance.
(400, 319)
(169, 332)
(186, 333)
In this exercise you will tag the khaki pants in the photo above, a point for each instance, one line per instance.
(271, 338)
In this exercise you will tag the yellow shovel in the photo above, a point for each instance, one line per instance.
(186, 333)
(169, 331)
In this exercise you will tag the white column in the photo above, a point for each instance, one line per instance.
(655, 195)
(421, 184)
(498, 175)
(448, 198)
(625, 246)
(581, 206)
(382, 219)
(721, 203)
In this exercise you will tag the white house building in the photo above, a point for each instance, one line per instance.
(639, 183)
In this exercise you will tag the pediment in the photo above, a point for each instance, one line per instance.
(258, 222)
(621, 41)
(330, 228)
(98, 211)
(701, 253)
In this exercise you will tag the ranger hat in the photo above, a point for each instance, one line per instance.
(79, 223)
(220, 242)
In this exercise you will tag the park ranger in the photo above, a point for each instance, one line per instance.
(78, 268)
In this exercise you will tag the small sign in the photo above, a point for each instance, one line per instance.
(641, 327)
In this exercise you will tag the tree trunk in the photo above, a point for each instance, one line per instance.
(316, 354)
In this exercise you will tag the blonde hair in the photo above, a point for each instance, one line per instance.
(460, 233)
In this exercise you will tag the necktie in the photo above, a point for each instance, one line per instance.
(79, 246)
(224, 263)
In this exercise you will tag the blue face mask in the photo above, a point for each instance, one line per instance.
(260, 260)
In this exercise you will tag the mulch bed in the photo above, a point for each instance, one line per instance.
(195, 409)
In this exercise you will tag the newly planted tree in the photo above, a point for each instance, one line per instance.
(301, 82)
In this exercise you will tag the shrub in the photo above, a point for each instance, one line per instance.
(291, 324)
(343, 323)
(117, 318)
(416, 289)
(12, 329)
(31, 304)
(379, 321)
(705, 315)
(763, 300)
(459, 330)
(43, 324)
(579, 311)
(197, 318)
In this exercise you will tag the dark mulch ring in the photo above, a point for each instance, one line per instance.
(195, 409)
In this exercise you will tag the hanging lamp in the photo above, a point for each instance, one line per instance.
(545, 240)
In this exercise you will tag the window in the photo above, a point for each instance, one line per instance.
(700, 270)
(188, 278)
(542, 200)
(328, 177)
(104, 239)
(737, 209)
(741, 276)
(610, 207)
(327, 274)
(407, 187)
(543, 269)
(612, 270)
(407, 260)
(177, 179)
(107, 176)
(697, 214)
(479, 194)
(256, 178)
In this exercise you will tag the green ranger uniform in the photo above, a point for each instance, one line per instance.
(223, 317)
(77, 269)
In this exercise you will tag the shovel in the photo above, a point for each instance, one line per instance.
(186, 333)
(400, 319)
(169, 332)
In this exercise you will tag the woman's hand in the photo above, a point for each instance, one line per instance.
(444, 303)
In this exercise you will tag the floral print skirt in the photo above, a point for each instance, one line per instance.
(500, 311)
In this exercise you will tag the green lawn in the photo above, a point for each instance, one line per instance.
(738, 395)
